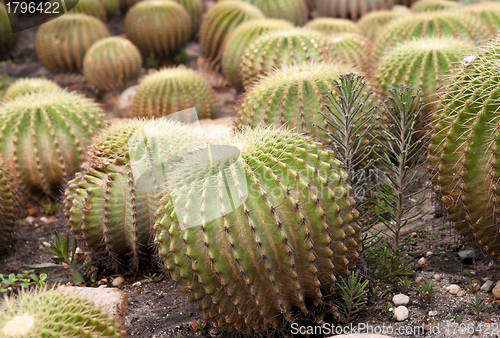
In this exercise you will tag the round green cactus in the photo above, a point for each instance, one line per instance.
(488, 11)
(294, 11)
(372, 23)
(25, 86)
(333, 25)
(353, 9)
(219, 22)
(111, 7)
(433, 5)
(43, 137)
(174, 89)
(7, 36)
(273, 236)
(284, 47)
(195, 8)
(349, 48)
(61, 44)
(451, 23)
(423, 63)
(240, 39)
(125, 5)
(93, 8)
(112, 62)
(158, 27)
(51, 313)
(463, 151)
(8, 201)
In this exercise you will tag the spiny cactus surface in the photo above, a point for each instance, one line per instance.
(488, 11)
(93, 8)
(240, 39)
(111, 7)
(372, 23)
(333, 25)
(349, 48)
(353, 9)
(61, 44)
(174, 89)
(433, 5)
(8, 201)
(43, 137)
(264, 226)
(195, 9)
(7, 36)
(294, 11)
(463, 150)
(28, 85)
(112, 62)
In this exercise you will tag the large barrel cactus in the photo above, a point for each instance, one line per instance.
(158, 27)
(294, 11)
(240, 39)
(372, 23)
(257, 227)
(28, 85)
(8, 202)
(7, 36)
(43, 137)
(61, 44)
(488, 11)
(333, 25)
(50, 313)
(352, 9)
(219, 22)
(463, 151)
(433, 5)
(445, 23)
(111, 63)
(349, 48)
(195, 9)
(174, 89)
(284, 47)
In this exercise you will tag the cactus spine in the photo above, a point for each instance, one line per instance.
(7, 36)
(433, 5)
(174, 89)
(43, 137)
(283, 242)
(61, 44)
(372, 23)
(284, 47)
(25, 86)
(463, 151)
(294, 11)
(353, 9)
(488, 11)
(8, 202)
(333, 25)
(240, 39)
(349, 48)
(112, 62)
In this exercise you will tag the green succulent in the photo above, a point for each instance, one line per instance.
(294, 11)
(61, 44)
(258, 226)
(219, 22)
(8, 201)
(333, 25)
(7, 37)
(463, 149)
(158, 27)
(43, 137)
(28, 85)
(51, 313)
(284, 47)
(240, 39)
(349, 48)
(488, 11)
(353, 9)
(111, 63)
(433, 5)
(174, 89)
(372, 23)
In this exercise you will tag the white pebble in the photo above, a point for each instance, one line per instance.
(401, 313)
(29, 219)
(118, 281)
(461, 293)
(432, 313)
(422, 261)
(44, 219)
(437, 277)
(453, 289)
(400, 299)
(136, 284)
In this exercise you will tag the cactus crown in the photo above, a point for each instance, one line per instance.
(333, 25)
(28, 85)
(349, 48)
(372, 23)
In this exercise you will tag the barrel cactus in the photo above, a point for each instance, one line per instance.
(111, 7)
(294, 11)
(158, 27)
(25, 86)
(195, 9)
(272, 237)
(353, 9)
(240, 39)
(333, 25)
(423, 63)
(61, 44)
(433, 5)
(43, 137)
(112, 62)
(488, 11)
(349, 48)
(463, 150)
(51, 313)
(7, 36)
(445, 23)
(174, 89)
(125, 5)
(8, 201)
(284, 47)
(219, 22)
(372, 23)
(93, 8)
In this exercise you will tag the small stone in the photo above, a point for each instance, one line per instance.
(103, 281)
(136, 284)
(422, 261)
(118, 281)
(467, 255)
(453, 289)
(400, 299)
(487, 286)
(428, 254)
(497, 285)
(419, 279)
(433, 313)
(437, 277)
(102, 286)
(29, 219)
(401, 313)
(44, 219)
(496, 292)
(461, 293)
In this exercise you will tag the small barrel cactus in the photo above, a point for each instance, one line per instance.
(93, 8)
(111, 7)
(219, 22)
(266, 225)
(195, 9)
(108, 206)
(353, 9)
(25, 86)
(158, 27)
(463, 150)
(43, 137)
(112, 62)
(61, 44)
(333, 25)
(433, 5)
(240, 39)
(450, 23)
(125, 5)
(488, 11)
(349, 48)
(284, 47)
(51, 313)
(7, 36)
(294, 11)
(372, 23)
(423, 63)
(174, 89)
(8, 201)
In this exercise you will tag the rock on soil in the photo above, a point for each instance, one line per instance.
(401, 313)
(400, 299)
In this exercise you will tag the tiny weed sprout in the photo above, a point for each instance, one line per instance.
(427, 289)
(353, 291)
